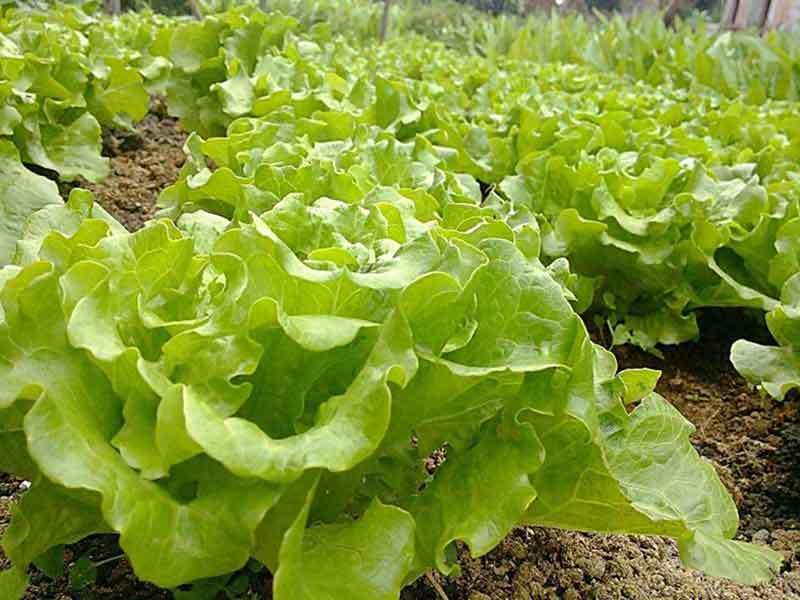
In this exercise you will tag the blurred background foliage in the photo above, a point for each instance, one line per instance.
(510, 7)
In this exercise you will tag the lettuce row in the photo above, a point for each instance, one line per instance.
(63, 76)
(684, 55)
(59, 84)
(663, 200)
(212, 395)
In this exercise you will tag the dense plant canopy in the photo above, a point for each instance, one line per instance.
(375, 254)
(59, 82)
(663, 200)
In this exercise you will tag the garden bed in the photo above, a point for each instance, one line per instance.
(753, 441)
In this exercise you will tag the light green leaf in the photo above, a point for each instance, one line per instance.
(367, 559)
(21, 194)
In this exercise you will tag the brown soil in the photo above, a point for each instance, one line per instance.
(143, 162)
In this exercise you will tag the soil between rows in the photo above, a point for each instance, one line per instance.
(143, 163)
(753, 442)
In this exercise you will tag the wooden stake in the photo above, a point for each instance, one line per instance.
(729, 13)
(113, 7)
(780, 13)
(387, 5)
(195, 9)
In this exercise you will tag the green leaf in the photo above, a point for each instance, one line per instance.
(123, 93)
(236, 94)
(13, 583)
(477, 496)
(776, 369)
(46, 518)
(51, 563)
(367, 559)
(638, 383)
(82, 574)
(71, 150)
(21, 194)
(193, 44)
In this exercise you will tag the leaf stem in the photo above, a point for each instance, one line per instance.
(439, 591)
(105, 561)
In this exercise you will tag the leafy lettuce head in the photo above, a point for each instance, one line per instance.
(212, 394)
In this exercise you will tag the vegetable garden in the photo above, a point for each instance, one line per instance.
(393, 321)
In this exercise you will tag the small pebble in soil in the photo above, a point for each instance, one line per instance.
(595, 567)
(517, 549)
(761, 537)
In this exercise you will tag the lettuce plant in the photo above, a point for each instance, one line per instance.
(365, 266)
(663, 200)
(63, 75)
(776, 369)
(211, 395)
(57, 88)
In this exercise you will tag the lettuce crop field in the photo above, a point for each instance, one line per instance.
(495, 308)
